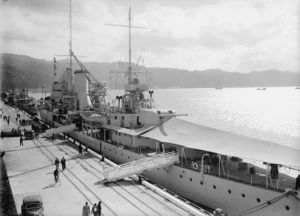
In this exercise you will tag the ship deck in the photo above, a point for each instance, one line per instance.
(234, 172)
(30, 171)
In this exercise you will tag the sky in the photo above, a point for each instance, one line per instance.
(232, 35)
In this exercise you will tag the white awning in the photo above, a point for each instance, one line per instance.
(199, 137)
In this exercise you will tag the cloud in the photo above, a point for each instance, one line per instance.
(227, 34)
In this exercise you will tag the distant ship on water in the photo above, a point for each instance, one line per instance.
(263, 88)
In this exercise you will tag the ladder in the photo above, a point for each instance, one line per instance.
(139, 166)
(61, 129)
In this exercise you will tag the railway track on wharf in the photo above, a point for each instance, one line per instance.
(117, 187)
(76, 181)
(97, 167)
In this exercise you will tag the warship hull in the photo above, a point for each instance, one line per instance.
(30, 110)
(208, 190)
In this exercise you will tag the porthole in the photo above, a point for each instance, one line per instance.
(214, 186)
(257, 199)
(191, 179)
(287, 208)
(201, 182)
(180, 176)
(128, 157)
(157, 168)
(229, 191)
(243, 195)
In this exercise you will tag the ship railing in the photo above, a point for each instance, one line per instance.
(242, 176)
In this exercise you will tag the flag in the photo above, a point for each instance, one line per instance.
(55, 67)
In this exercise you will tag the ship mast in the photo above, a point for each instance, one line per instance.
(70, 43)
(129, 66)
(129, 72)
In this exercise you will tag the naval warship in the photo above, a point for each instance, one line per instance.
(212, 167)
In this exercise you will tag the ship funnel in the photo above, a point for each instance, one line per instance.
(81, 88)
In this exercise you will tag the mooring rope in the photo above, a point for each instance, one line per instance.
(263, 205)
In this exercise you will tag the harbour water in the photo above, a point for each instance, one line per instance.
(272, 115)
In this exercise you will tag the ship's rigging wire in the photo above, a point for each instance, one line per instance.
(263, 205)
(146, 79)
(287, 169)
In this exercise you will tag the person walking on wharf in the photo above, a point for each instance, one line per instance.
(63, 163)
(56, 163)
(56, 175)
(86, 211)
(21, 140)
(94, 210)
(99, 208)
(80, 149)
(297, 187)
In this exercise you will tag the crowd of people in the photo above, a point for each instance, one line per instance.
(96, 210)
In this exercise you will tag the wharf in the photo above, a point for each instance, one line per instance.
(30, 171)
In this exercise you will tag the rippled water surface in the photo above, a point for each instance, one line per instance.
(272, 114)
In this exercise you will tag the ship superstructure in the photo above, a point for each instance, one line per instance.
(74, 91)
(26, 103)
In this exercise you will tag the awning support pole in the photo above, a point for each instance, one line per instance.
(183, 157)
(219, 165)
(267, 171)
(104, 133)
(202, 164)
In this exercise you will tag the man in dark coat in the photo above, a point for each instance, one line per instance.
(297, 187)
(63, 163)
(99, 208)
(274, 171)
(56, 163)
(80, 149)
(21, 141)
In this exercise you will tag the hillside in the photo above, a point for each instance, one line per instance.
(26, 72)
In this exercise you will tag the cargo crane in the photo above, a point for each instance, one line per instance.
(97, 91)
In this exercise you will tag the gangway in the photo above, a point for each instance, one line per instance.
(61, 129)
(139, 166)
